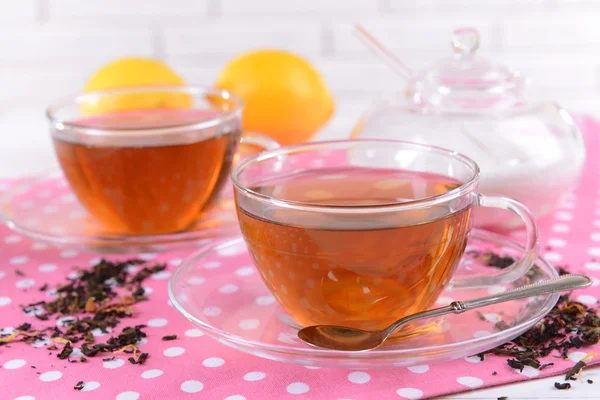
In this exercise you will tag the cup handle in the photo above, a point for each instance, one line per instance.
(520, 266)
(258, 140)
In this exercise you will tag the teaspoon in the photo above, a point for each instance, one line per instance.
(383, 53)
(350, 339)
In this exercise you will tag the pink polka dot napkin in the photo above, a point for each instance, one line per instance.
(196, 366)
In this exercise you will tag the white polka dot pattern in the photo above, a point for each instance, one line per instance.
(89, 386)
(195, 365)
(213, 362)
(4, 301)
(419, 369)
(359, 377)
(194, 333)
(112, 364)
(14, 364)
(157, 322)
(174, 351)
(192, 386)
(254, 376)
(249, 324)
(152, 373)
(409, 393)
(128, 396)
(51, 376)
(297, 388)
(470, 381)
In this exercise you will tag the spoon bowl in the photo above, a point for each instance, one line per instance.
(342, 338)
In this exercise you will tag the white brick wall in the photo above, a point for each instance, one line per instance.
(137, 9)
(48, 48)
(230, 36)
(25, 10)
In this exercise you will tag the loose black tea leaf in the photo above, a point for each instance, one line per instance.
(501, 325)
(503, 398)
(590, 381)
(494, 373)
(521, 362)
(138, 292)
(516, 364)
(577, 368)
(576, 342)
(141, 359)
(79, 385)
(24, 327)
(66, 351)
(562, 386)
(495, 260)
(19, 272)
(543, 366)
(480, 316)
(94, 300)
(569, 325)
(44, 287)
(146, 272)
(170, 337)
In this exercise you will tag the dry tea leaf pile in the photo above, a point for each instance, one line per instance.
(99, 298)
(569, 325)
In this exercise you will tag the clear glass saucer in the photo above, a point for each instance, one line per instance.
(46, 210)
(220, 292)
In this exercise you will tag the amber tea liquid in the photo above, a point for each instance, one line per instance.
(149, 189)
(360, 271)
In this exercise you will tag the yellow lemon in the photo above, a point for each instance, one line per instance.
(132, 72)
(284, 96)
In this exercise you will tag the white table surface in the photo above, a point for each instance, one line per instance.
(25, 149)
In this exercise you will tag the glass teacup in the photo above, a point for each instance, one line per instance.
(363, 232)
(150, 160)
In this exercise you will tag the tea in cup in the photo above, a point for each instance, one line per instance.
(354, 241)
(148, 160)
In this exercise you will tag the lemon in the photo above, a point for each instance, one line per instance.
(131, 72)
(284, 96)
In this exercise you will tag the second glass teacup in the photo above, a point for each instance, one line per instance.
(363, 232)
(149, 160)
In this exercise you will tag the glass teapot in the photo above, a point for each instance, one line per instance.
(529, 151)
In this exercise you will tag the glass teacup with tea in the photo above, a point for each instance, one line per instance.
(371, 231)
(149, 160)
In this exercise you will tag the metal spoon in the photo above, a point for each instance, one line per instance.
(350, 339)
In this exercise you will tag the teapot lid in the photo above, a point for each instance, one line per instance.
(465, 80)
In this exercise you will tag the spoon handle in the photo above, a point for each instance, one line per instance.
(563, 283)
(383, 53)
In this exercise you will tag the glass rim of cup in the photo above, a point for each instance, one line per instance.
(194, 90)
(424, 202)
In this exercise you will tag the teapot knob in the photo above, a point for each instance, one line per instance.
(465, 41)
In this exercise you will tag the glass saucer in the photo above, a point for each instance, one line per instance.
(46, 210)
(220, 292)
